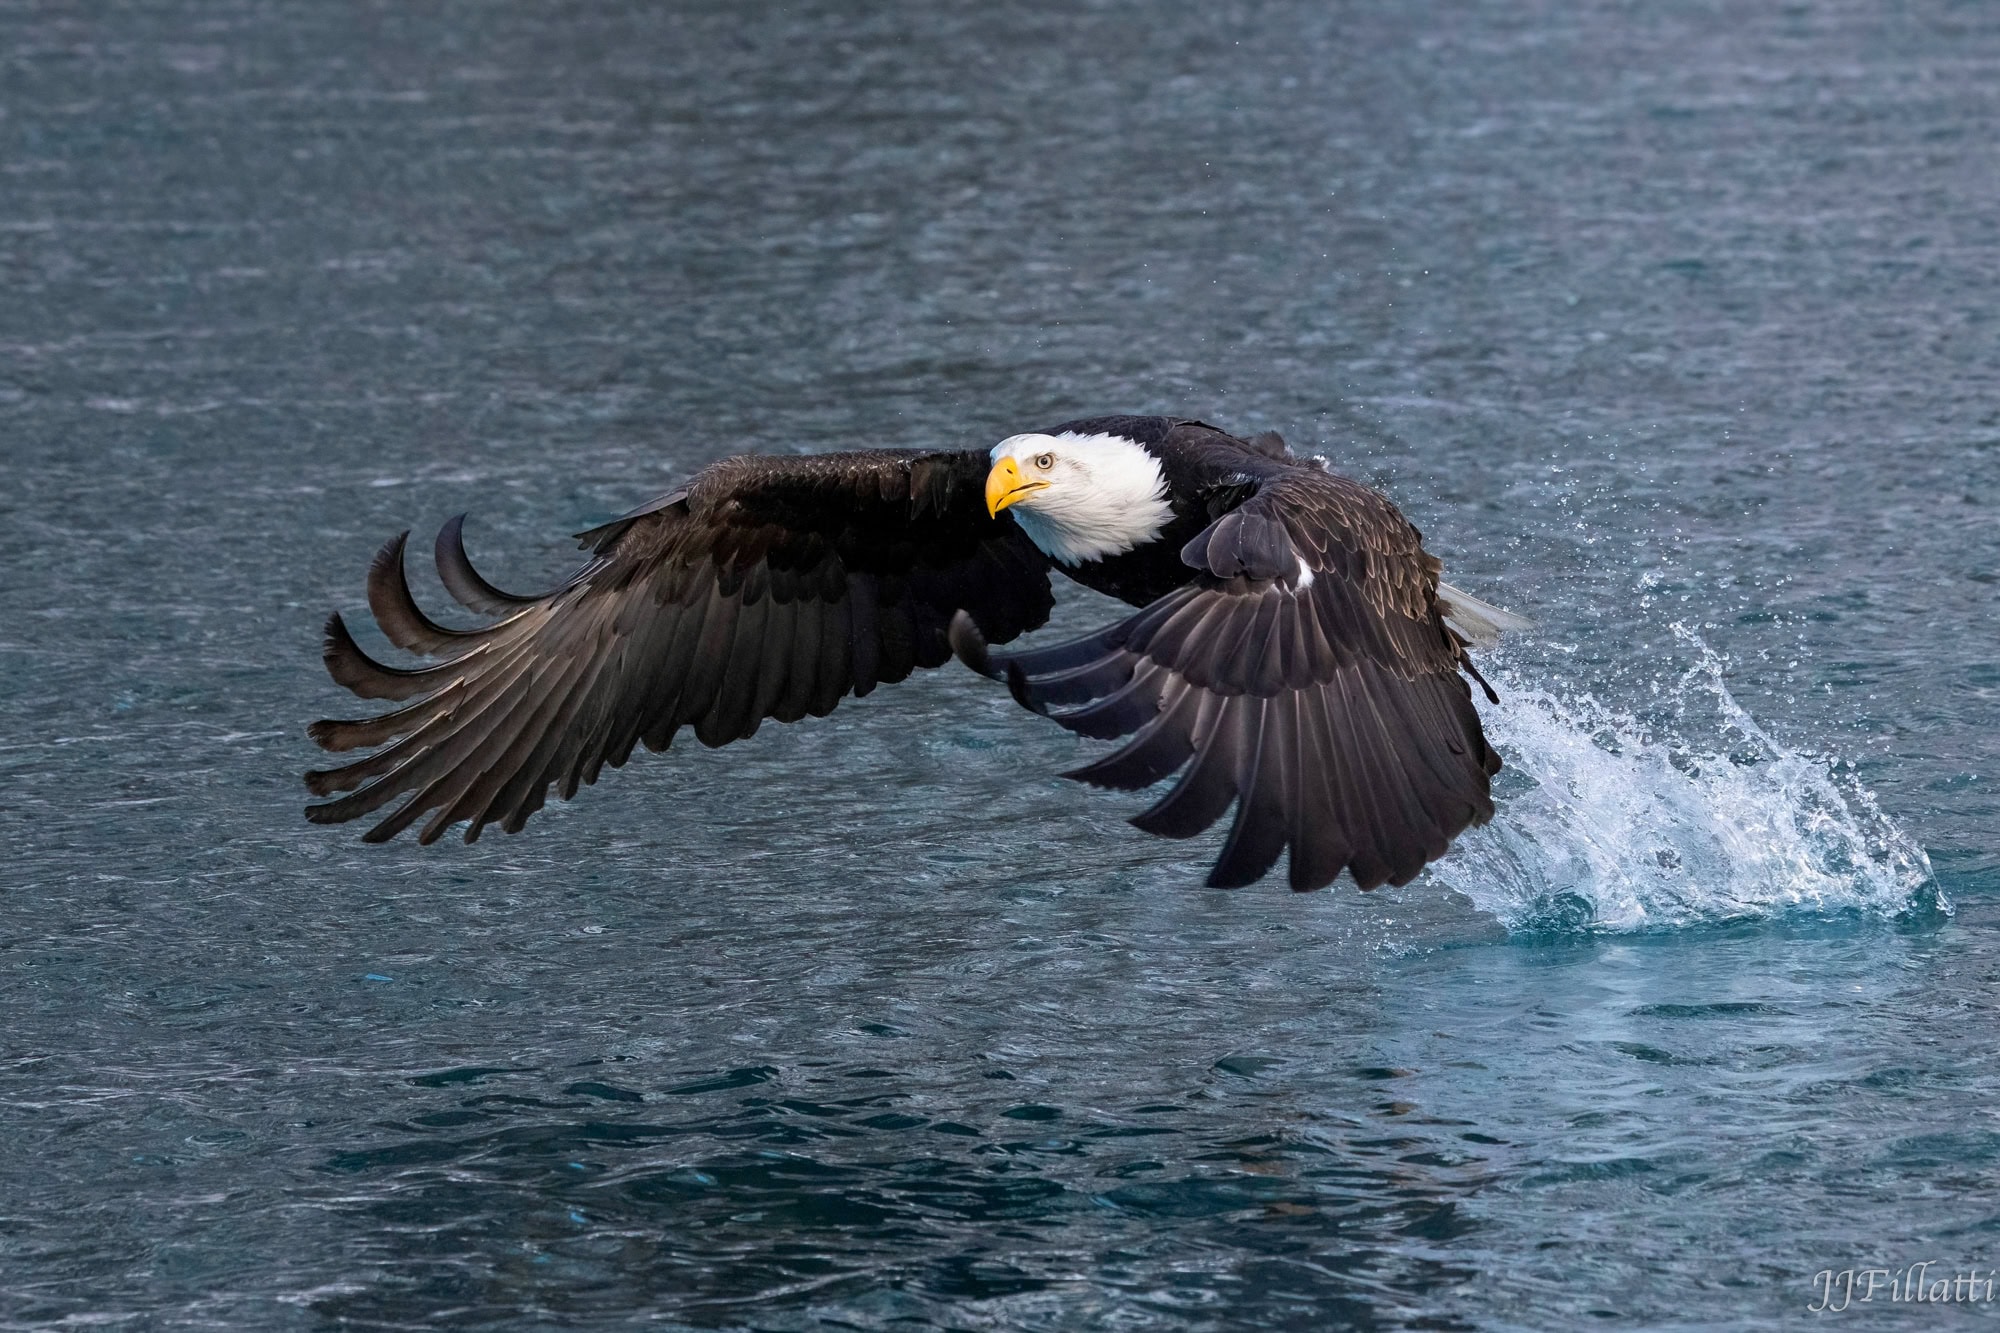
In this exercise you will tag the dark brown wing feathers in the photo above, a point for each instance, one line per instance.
(465, 583)
(1330, 709)
(767, 588)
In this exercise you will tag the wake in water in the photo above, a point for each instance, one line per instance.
(1609, 824)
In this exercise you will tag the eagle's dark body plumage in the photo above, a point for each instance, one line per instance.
(1289, 652)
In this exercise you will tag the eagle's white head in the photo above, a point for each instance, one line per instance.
(1079, 497)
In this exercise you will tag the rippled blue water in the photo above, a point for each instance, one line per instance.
(1673, 324)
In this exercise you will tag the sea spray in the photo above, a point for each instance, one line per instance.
(1608, 823)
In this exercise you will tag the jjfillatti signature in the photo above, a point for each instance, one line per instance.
(1837, 1288)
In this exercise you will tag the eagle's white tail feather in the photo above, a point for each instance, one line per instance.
(1481, 623)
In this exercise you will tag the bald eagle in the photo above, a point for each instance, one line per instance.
(1293, 651)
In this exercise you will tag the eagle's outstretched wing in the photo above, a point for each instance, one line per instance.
(766, 587)
(1303, 672)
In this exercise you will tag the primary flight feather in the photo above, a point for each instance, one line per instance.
(1293, 653)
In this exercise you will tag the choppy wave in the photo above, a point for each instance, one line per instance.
(1613, 823)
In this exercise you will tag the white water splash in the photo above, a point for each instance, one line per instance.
(1623, 826)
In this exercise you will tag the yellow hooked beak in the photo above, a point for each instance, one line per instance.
(1005, 485)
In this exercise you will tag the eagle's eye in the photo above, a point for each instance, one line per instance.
(1043, 462)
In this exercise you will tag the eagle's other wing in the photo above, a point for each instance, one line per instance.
(1303, 673)
(766, 587)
